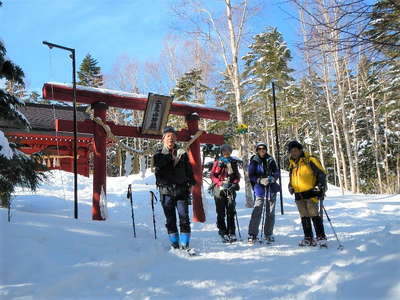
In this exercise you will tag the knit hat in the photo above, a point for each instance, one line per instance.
(168, 129)
(294, 144)
(225, 148)
(259, 144)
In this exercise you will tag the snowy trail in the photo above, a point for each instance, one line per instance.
(46, 254)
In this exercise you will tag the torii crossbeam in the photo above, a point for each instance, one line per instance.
(101, 99)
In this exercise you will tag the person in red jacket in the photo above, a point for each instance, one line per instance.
(225, 177)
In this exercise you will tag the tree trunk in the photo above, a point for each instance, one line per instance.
(376, 144)
(386, 153)
(233, 69)
(398, 174)
(356, 159)
(316, 113)
(342, 160)
(349, 148)
(332, 119)
(267, 139)
(273, 146)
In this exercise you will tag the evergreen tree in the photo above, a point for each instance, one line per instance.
(34, 97)
(89, 73)
(384, 30)
(16, 89)
(224, 98)
(266, 61)
(17, 169)
(190, 87)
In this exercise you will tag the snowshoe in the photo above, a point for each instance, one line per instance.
(232, 238)
(183, 252)
(322, 242)
(224, 238)
(251, 240)
(307, 242)
(189, 251)
(269, 239)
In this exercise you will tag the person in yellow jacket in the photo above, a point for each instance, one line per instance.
(307, 181)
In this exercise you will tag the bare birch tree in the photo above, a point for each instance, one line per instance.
(223, 32)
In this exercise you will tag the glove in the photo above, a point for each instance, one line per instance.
(226, 186)
(235, 186)
(315, 199)
(291, 190)
(271, 179)
(263, 181)
(322, 189)
(189, 200)
(221, 164)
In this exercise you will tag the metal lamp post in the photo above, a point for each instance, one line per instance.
(72, 55)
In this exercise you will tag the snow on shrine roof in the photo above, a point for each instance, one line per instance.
(129, 94)
(42, 116)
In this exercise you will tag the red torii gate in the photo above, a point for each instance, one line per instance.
(101, 99)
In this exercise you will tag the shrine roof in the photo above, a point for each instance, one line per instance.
(42, 116)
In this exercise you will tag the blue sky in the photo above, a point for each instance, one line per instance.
(106, 29)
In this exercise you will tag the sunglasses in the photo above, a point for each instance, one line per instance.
(261, 148)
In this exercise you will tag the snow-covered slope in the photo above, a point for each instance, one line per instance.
(46, 254)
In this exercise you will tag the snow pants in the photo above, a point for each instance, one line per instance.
(170, 205)
(225, 207)
(308, 211)
(256, 215)
(307, 208)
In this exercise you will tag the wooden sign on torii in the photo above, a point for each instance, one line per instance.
(101, 99)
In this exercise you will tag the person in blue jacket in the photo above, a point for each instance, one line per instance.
(263, 174)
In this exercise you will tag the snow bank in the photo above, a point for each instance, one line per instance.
(46, 254)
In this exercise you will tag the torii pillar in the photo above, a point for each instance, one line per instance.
(100, 158)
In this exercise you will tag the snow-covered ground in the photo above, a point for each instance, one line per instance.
(47, 254)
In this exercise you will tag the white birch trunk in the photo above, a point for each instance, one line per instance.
(376, 144)
(233, 72)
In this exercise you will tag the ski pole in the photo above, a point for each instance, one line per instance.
(153, 196)
(264, 209)
(236, 217)
(129, 196)
(340, 247)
